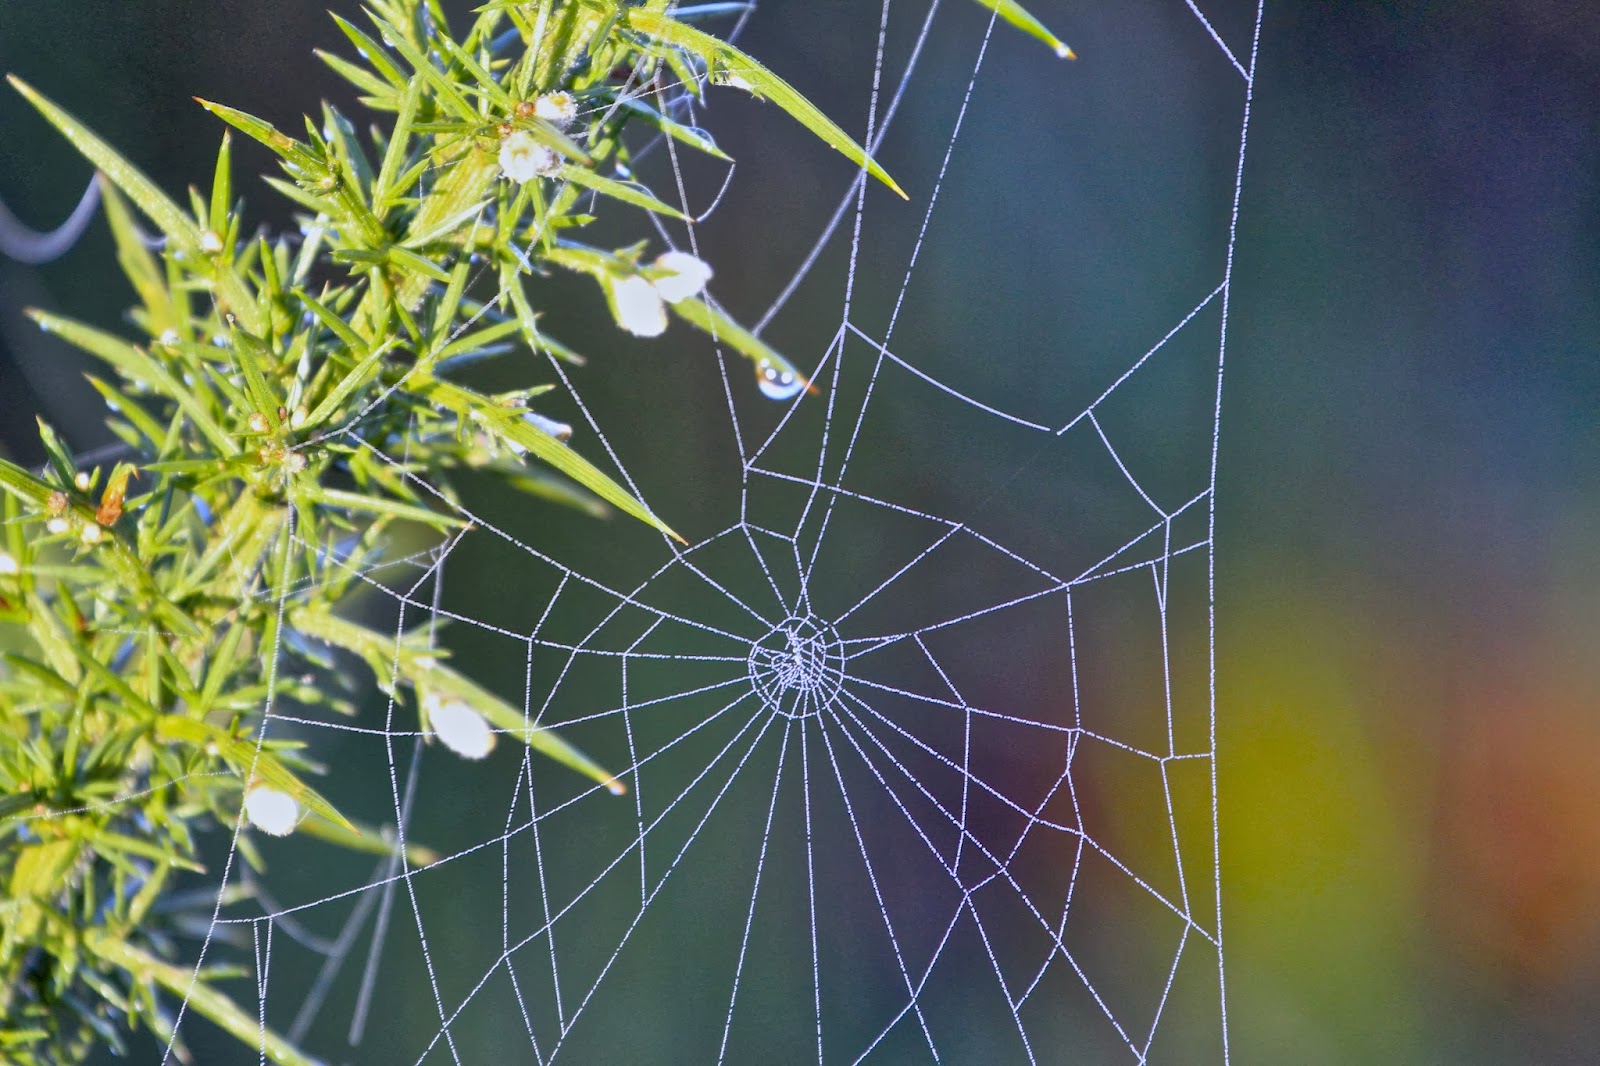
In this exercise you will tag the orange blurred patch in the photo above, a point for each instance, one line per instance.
(1517, 875)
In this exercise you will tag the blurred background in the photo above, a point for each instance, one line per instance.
(1407, 550)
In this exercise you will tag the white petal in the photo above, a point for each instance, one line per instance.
(687, 279)
(558, 109)
(461, 729)
(271, 811)
(522, 157)
(638, 307)
(8, 563)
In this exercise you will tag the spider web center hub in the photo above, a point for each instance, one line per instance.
(797, 668)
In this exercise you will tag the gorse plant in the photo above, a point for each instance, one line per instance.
(291, 399)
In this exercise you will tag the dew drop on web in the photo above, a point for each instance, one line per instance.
(778, 381)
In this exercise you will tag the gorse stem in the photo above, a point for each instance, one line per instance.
(152, 613)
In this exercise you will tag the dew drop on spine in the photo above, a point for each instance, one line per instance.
(778, 381)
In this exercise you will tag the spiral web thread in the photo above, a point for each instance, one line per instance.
(835, 842)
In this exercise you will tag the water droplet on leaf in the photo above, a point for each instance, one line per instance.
(778, 381)
(272, 811)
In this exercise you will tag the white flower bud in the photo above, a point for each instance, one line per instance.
(687, 278)
(459, 727)
(56, 525)
(8, 563)
(81, 479)
(210, 243)
(638, 306)
(169, 337)
(90, 534)
(271, 811)
(558, 109)
(522, 157)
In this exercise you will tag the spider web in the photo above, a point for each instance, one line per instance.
(918, 727)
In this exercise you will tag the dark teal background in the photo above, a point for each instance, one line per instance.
(1407, 546)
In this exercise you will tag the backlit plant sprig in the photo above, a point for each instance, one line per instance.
(152, 613)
